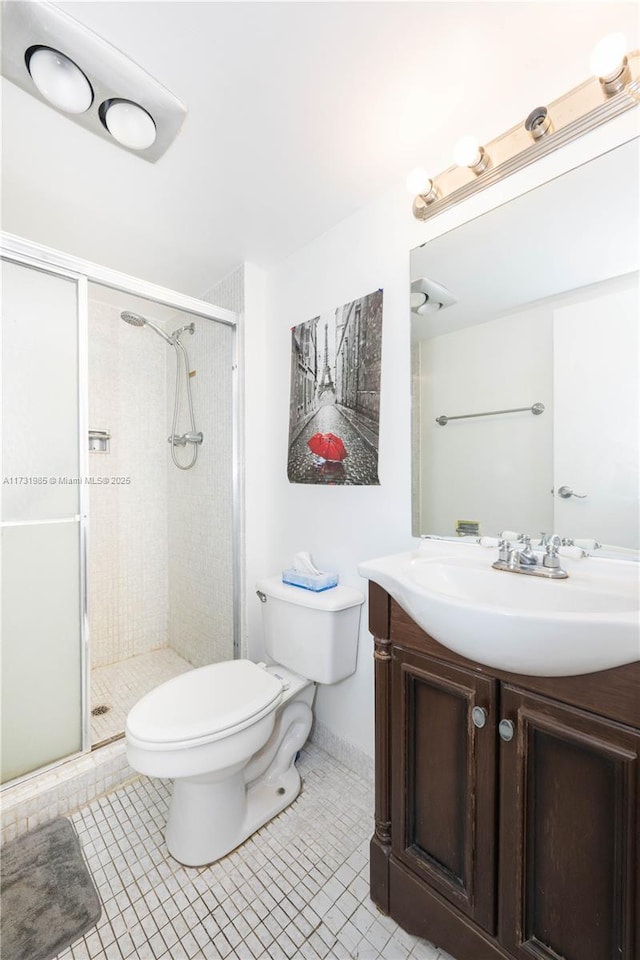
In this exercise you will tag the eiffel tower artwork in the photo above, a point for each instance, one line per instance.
(326, 386)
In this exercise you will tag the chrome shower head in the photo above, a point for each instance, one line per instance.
(137, 321)
(133, 318)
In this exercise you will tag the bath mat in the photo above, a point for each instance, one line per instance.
(48, 896)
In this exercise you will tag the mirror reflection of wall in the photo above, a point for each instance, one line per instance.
(547, 312)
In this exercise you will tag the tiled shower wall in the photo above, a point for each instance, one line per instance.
(200, 505)
(201, 499)
(161, 545)
(128, 553)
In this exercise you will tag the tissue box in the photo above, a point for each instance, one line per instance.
(310, 581)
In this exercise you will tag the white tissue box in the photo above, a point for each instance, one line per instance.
(310, 581)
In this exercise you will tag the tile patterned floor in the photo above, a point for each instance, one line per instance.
(297, 889)
(120, 685)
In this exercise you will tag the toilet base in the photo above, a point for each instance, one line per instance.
(210, 816)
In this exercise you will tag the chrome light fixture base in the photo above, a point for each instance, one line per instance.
(546, 128)
(113, 77)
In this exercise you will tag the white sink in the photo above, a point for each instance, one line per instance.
(514, 622)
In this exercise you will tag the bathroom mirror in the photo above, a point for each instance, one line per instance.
(525, 380)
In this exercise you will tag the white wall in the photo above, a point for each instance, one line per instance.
(344, 525)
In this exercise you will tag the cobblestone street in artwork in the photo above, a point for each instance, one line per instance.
(360, 465)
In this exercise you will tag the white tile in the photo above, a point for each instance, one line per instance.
(231, 909)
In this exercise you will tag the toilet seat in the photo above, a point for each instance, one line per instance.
(203, 705)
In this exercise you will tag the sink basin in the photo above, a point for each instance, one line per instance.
(522, 624)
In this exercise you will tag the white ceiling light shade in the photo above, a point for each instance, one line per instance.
(151, 116)
(130, 124)
(59, 79)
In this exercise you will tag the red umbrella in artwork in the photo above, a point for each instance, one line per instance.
(327, 446)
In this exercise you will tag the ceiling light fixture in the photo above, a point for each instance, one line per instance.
(63, 64)
(428, 296)
(614, 89)
(59, 80)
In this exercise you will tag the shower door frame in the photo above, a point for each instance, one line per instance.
(36, 256)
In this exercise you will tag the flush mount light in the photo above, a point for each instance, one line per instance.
(63, 64)
(130, 124)
(582, 109)
(468, 153)
(59, 80)
(429, 296)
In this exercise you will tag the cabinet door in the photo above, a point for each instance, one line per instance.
(444, 780)
(569, 832)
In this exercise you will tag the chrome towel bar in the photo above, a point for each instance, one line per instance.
(536, 410)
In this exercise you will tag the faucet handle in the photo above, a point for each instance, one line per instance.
(504, 549)
(551, 558)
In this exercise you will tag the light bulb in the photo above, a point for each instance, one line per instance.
(607, 58)
(59, 80)
(419, 182)
(417, 299)
(467, 152)
(130, 124)
(430, 306)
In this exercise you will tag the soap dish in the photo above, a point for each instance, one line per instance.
(310, 581)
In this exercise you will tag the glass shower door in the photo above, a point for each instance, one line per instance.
(42, 555)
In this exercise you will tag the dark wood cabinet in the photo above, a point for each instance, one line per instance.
(443, 780)
(507, 807)
(568, 840)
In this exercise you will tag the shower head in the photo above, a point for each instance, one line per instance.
(137, 321)
(132, 318)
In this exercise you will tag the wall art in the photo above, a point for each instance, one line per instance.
(334, 409)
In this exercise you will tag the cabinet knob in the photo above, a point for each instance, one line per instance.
(506, 731)
(479, 717)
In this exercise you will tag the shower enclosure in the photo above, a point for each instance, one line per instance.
(119, 507)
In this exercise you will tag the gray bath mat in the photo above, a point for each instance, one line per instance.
(48, 896)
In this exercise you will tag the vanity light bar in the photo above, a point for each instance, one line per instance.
(546, 129)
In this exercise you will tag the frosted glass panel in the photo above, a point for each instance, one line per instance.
(41, 647)
(39, 394)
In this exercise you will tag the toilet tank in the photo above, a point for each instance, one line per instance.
(314, 634)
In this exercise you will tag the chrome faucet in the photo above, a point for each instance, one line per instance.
(527, 556)
(525, 561)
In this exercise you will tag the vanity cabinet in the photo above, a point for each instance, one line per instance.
(507, 807)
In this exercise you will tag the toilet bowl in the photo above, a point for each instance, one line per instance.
(228, 734)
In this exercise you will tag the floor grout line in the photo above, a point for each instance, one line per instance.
(298, 888)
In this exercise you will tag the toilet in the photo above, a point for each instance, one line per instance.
(228, 734)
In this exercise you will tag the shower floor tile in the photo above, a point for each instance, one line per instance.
(299, 888)
(119, 685)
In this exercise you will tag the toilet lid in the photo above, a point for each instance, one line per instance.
(204, 702)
